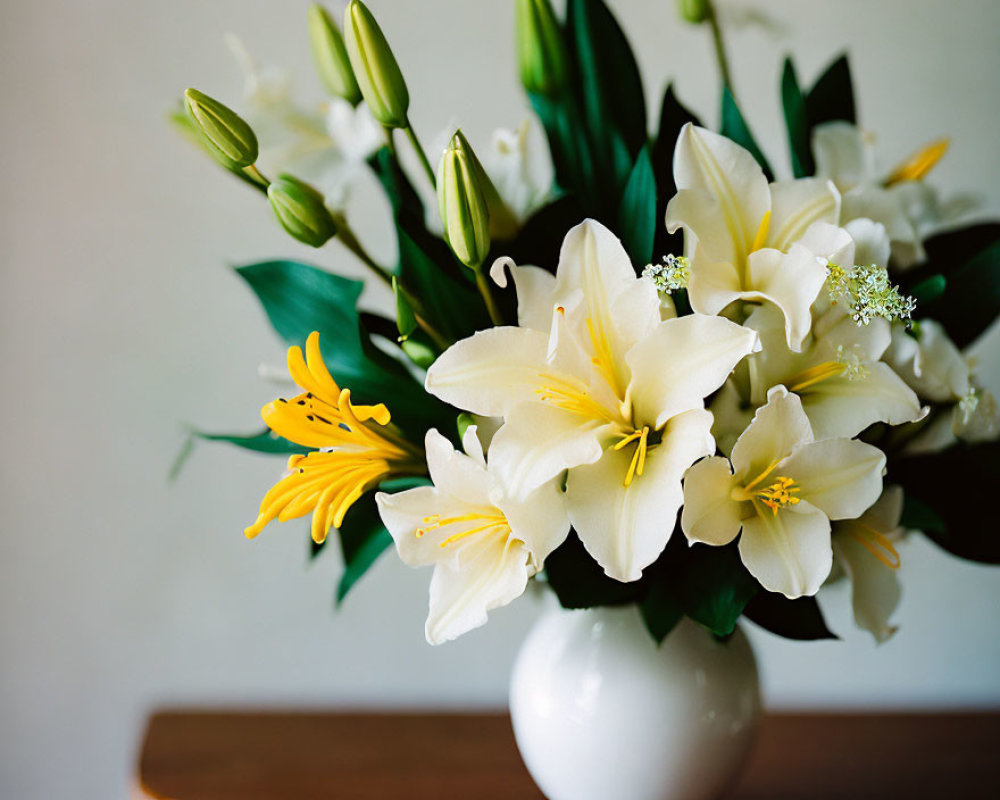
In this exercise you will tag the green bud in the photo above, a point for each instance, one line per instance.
(463, 204)
(227, 135)
(330, 55)
(695, 11)
(301, 211)
(541, 52)
(375, 68)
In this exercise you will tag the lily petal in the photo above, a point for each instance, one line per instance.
(796, 205)
(490, 372)
(682, 362)
(788, 552)
(540, 520)
(841, 477)
(455, 473)
(535, 292)
(713, 284)
(460, 598)
(777, 428)
(792, 281)
(623, 527)
(734, 194)
(710, 515)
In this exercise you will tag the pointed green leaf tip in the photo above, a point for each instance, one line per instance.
(228, 137)
(462, 203)
(330, 55)
(541, 51)
(375, 67)
(301, 211)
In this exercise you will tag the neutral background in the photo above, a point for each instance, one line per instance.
(120, 322)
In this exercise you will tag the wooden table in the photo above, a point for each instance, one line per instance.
(198, 755)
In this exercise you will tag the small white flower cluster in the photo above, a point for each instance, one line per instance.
(868, 293)
(671, 275)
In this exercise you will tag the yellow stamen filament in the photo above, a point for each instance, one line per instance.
(358, 448)
(571, 397)
(763, 476)
(638, 463)
(813, 375)
(779, 494)
(762, 231)
(875, 543)
(603, 359)
(489, 522)
(917, 166)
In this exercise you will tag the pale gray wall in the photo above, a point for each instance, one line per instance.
(120, 321)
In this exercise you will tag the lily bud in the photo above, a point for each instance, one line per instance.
(301, 211)
(330, 55)
(226, 134)
(462, 202)
(541, 52)
(695, 11)
(375, 67)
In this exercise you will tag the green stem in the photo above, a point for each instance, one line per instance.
(491, 306)
(347, 238)
(720, 49)
(423, 156)
(390, 142)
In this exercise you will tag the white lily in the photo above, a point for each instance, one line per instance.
(865, 549)
(747, 240)
(325, 146)
(520, 166)
(781, 488)
(594, 382)
(484, 543)
(843, 385)
(908, 207)
(936, 369)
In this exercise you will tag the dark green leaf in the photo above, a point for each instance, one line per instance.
(958, 485)
(660, 611)
(929, 290)
(794, 619)
(794, 106)
(580, 582)
(921, 517)
(971, 300)
(609, 85)
(711, 585)
(299, 299)
(948, 251)
(637, 214)
(263, 442)
(406, 322)
(832, 96)
(735, 128)
(673, 117)
(540, 239)
(571, 152)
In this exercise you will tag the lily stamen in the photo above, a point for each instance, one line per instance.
(817, 374)
(876, 543)
(779, 494)
(638, 463)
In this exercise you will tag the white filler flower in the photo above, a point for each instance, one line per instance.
(483, 543)
(782, 489)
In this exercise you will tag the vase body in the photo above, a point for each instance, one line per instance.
(601, 713)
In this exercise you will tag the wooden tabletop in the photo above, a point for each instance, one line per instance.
(199, 755)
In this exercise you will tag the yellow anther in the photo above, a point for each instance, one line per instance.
(917, 166)
(638, 463)
(779, 494)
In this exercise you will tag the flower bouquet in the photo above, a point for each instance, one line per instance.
(636, 369)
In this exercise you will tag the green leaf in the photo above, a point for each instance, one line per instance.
(794, 106)
(406, 322)
(609, 82)
(930, 289)
(299, 298)
(712, 585)
(734, 127)
(919, 516)
(660, 611)
(637, 214)
(832, 96)
(363, 537)
(263, 442)
(580, 582)
(971, 300)
(953, 490)
(799, 619)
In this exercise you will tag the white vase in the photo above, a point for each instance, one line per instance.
(601, 713)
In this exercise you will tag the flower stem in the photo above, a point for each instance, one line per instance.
(491, 306)
(347, 238)
(412, 135)
(390, 142)
(720, 49)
